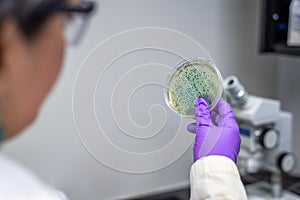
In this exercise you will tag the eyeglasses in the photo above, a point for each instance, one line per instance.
(78, 20)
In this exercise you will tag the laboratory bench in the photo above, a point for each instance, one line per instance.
(290, 182)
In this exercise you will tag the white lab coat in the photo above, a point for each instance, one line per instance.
(18, 183)
(216, 178)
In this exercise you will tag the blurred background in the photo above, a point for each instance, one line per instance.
(228, 30)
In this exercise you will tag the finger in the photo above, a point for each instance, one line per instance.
(192, 127)
(202, 113)
(224, 111)
(215, 117)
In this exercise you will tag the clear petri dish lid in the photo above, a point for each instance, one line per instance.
(192, 79)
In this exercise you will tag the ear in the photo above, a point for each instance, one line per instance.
(8, 32)
(0, 53)
(11, 39)
(1, 45)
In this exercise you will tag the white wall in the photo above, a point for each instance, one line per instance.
(51, 147)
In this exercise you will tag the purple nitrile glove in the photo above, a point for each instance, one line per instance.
(217, 133)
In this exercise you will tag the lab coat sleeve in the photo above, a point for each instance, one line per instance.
(216, 178)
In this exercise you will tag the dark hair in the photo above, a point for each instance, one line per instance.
(30, 14)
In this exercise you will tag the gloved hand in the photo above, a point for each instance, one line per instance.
(217, 133)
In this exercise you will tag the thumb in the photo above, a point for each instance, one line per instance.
(202, 113)
(203, 120)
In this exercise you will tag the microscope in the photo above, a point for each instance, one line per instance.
(266, 133)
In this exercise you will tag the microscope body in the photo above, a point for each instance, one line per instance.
(266, 133)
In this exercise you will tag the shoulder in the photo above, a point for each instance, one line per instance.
(18, 182)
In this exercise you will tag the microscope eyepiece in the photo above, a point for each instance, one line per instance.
(236, 92)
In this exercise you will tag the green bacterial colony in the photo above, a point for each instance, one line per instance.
(192, 80)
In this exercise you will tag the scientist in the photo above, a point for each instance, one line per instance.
(31, 55)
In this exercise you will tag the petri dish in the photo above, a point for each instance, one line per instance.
(190, 80)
